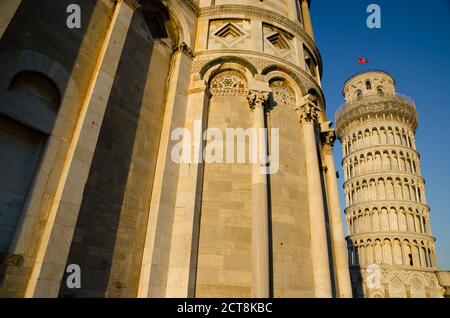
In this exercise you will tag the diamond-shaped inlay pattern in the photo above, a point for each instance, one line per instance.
(229, 33)
(278, 41)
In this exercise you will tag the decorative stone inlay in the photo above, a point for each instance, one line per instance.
(228, 83)
(398, 282)
(267, 16)
(283, 95)
(260, 61)
(229, 33)
(278, 41)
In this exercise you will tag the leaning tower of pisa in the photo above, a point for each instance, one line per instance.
(390, 245)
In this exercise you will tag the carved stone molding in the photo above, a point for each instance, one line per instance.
(372, 109)
(192, 5)
(258, 60)
(258, 99)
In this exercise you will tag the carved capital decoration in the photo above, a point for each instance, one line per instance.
(258, 99)
(328, 139)
(184, 48)
(308, 112)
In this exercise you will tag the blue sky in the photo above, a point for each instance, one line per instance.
(413, 45)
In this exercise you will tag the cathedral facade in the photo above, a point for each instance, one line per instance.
(391, 248)
(88, 176)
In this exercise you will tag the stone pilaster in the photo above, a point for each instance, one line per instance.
(307, 18)
(186, 224)
(153, 281)
(308, 114)
(260, 224)
(344, 288)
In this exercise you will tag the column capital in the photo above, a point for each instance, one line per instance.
(327, 136)
(258, 99)
(307, 110)
(186, 49)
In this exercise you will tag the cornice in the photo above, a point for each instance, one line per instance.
(193, 6)
(385, 203)
(266, 15)
(392, 235)
(396, 268)
(386, 174)
(379, 148)
(370, 107)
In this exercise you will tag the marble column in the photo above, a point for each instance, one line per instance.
(307, 18)
(344, 288)
(49, 265)
(308, 116)
(260, 217)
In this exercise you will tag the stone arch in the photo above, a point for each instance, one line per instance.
(274, 70)
(49, 123)
(216, 65)
(396, 285)
(417, 286)
(387, 251)
(16, 61)
(378, 251)
(292, 82)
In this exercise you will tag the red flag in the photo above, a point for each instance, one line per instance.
(362, 60)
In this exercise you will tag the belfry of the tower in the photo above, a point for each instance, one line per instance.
(390, 245)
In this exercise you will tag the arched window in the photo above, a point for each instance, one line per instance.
(37, 85)
(380, 91)
(359, 93)
(21, 144)
(368, 85)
